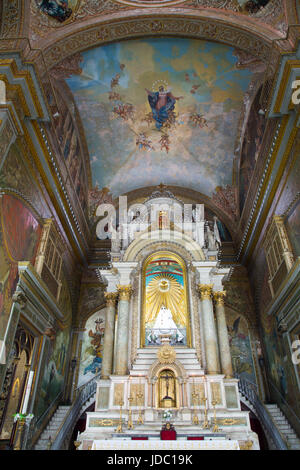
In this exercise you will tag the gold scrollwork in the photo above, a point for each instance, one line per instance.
(166, 354)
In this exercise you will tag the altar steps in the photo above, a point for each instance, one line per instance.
(147, 356)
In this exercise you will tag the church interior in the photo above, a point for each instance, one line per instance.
(149, 269)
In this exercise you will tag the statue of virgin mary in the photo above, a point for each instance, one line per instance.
(164, 324)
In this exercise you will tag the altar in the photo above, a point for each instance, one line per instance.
(164, 445)
(166, 353)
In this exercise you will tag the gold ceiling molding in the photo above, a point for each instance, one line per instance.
(10, 64)
(250, 37)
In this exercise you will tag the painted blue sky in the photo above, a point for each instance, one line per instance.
(127, 151)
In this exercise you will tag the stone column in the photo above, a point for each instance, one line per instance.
(210, 333)
(108, 343)
(224, 346)
(123, 330)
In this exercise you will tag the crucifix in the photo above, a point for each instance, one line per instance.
(161, 187)
(167, 377)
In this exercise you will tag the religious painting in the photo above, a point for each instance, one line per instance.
(160, 106)
(165, 301)
(19, 238)
(60, 10)
(92, 347)
(274, 355)
(240, 345)
(55, 370)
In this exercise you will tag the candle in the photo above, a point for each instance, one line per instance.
(27, 392)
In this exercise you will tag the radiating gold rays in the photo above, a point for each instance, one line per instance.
(165, 290)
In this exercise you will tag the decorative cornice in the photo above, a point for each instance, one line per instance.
(182, 23)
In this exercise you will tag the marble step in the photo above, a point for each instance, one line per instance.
(284, 427)
(52, 427)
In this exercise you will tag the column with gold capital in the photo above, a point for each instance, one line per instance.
(210, 332)
(124, 292)
(108, 343)
(224, 346)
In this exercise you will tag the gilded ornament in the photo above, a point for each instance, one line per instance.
(246, 445)
(205, 291)
(219, 297)
(124, 292)
(110, 298)
(166, 354)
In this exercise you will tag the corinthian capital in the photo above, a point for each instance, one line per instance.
(110, 298)
(205, 291)
(219, 297)
(124, 292)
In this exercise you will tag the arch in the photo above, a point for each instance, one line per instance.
(174, 299)
(157, 367)
(179, 374)
(85, 316)
(236, 30)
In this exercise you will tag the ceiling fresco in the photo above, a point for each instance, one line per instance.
(160, 110)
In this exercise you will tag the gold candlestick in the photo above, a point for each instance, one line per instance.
(130, 423)
(77, 444)
(140, 417)
(119, 428)
(205, 424)
(195, 417)
(216, 427)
